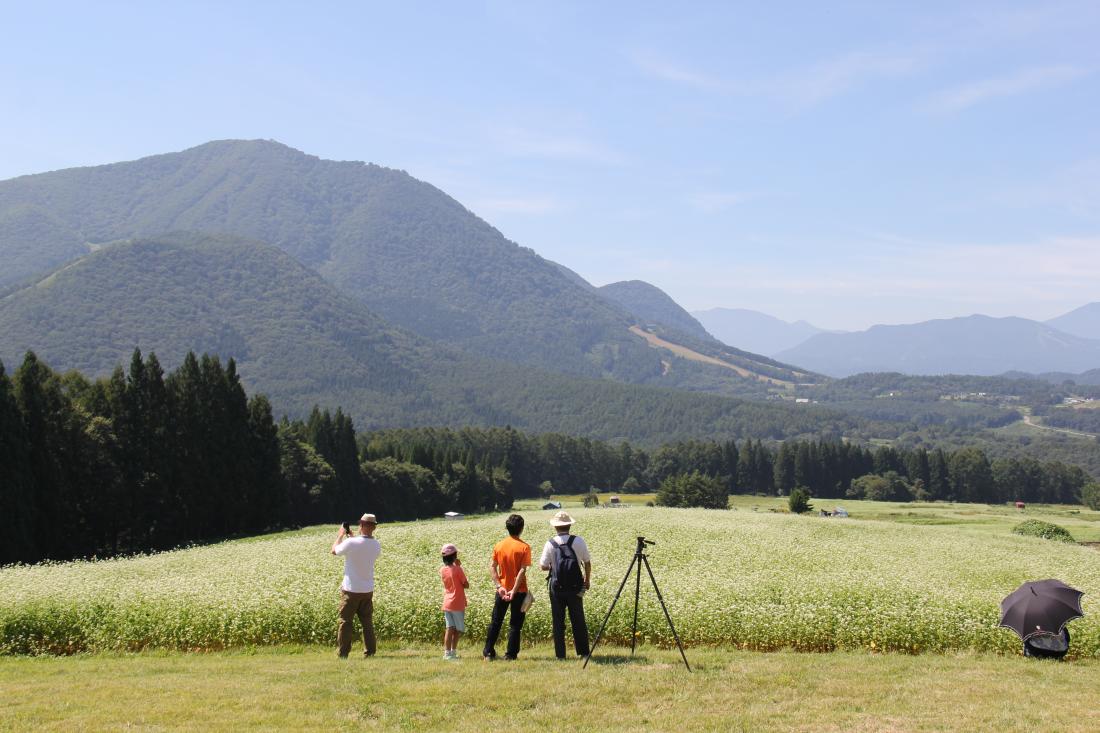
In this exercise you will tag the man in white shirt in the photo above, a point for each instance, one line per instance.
(357, 590)
(563, 555)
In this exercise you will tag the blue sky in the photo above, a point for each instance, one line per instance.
(846, 163)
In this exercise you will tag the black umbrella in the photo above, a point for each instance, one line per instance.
(1041, 607)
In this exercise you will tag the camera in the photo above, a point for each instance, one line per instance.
(347, 527)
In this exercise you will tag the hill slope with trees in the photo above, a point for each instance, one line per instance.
(300, 341)
(404, 248)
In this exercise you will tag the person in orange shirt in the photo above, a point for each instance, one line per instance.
(508, 568)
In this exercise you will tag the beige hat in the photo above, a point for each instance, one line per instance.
(368, 519)
(561, 519)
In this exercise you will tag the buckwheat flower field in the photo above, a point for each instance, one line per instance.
(732, 578)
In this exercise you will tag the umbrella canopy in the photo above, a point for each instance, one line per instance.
(1041, 607)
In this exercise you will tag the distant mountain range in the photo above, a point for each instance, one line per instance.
(1083, 321)
(755, 331)
(972, 345)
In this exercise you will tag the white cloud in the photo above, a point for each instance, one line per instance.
(714, 201)
(805, 86)
(1028, 80)
(659, 68)
(522, 205)
(901, 281)
(528, 143)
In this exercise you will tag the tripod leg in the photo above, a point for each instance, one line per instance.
(637, 591)
(609, 610)
(665, 609)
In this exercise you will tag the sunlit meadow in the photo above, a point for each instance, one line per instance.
(736, 578)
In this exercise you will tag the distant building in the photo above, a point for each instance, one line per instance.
(552, 505)
(453, 515)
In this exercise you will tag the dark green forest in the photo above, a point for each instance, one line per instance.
(147, 460)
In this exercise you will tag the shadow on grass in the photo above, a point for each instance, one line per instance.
(615, 659)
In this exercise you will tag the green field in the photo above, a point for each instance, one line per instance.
(737, 579)
(1082, 523)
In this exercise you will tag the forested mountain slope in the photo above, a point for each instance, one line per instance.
(299, 340)
(650, 304)
(411, 253)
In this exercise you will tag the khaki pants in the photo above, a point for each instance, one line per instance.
(352, 605)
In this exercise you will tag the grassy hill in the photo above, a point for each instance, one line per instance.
(781, 581)
(302, 342)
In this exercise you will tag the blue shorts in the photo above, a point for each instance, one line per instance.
(456, 620)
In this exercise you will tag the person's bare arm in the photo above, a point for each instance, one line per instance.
(465, 580)
(587, 573)
(519, 579)
(339, 538)
(494, 573)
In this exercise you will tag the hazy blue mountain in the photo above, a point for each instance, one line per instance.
(971, 345)
(755, 331)
(302, 342)
(1090, 378)
(652, 305)
(1083, 321)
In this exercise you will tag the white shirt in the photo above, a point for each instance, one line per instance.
(359, 556)
(579, 548)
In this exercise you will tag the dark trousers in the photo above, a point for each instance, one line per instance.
(575, 604)
(515, 625)
(352, 605)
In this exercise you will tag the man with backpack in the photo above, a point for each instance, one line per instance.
(564, 555)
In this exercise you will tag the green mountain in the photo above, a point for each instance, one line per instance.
(402, 247)
(650, 304)
(303, 342)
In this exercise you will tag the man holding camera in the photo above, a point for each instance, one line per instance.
(357, 589)
(564, 555)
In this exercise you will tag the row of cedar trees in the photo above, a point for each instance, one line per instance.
(147, 461)
(826, 468)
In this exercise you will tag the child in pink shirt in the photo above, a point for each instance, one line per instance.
(454, 599)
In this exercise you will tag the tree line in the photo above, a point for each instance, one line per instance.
(827, 468)
(144, 460)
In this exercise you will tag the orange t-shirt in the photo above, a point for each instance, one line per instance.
(511, 554)
(454, 595)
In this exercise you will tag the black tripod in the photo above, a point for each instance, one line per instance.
(640, 558)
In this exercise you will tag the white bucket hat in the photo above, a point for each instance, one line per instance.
(561, 519)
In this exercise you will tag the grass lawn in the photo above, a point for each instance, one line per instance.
(409, 688)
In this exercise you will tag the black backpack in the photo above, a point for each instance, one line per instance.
(565, 570)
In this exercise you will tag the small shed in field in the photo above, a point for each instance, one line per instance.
(552, 505)
(453, 515)
(1019, 505)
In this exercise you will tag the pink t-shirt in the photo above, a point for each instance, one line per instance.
(454, 595)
